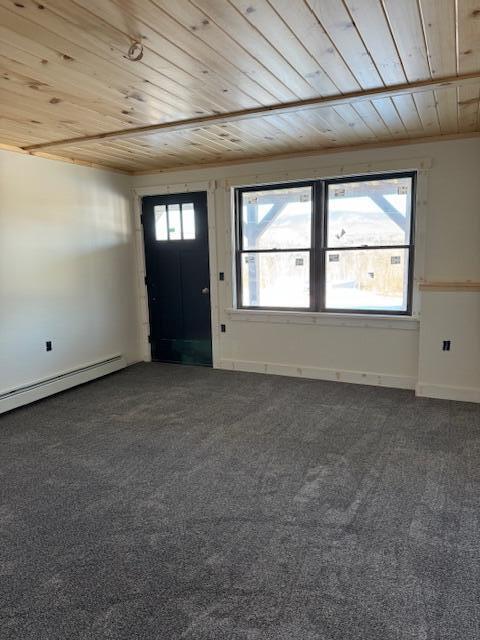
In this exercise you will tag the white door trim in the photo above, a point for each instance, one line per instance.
(142, 297)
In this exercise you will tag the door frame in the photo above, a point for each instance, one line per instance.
(138, 193)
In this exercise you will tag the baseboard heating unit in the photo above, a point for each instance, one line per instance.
(42, 388)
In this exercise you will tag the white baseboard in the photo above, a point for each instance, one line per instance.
(39, 389)
(445, 392)
(318, 373)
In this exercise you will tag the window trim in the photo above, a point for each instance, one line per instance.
(319, 248)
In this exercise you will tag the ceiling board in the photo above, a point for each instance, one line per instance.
(468, 47)
(408, 31)
(64, 74)
(373, 27)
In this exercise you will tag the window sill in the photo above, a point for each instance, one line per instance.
(408, 323)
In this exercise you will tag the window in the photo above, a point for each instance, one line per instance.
(175, 221)
(343, 245)
(276, 246)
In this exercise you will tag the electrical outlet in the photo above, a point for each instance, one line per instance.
(223, 328)
(446, 345)
(221, 275)
(48, 345)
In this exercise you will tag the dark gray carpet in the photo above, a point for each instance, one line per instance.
(171, 503)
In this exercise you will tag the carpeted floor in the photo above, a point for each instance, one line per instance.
(168, 502)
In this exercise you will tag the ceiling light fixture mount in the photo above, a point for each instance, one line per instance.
(135, 52)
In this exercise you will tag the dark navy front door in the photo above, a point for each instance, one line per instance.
(176, 254)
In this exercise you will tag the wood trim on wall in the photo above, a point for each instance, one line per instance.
(467, 285)
(50, 156)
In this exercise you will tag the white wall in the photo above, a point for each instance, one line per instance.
(66, 268)
(454, 374)
(453, 254)
(67, 274)
(404, 354)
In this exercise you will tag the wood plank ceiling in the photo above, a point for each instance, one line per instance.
(65, 75)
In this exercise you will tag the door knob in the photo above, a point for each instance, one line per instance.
(205, 291)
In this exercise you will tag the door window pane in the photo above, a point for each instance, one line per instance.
(370, 212)
(161, 226)
(276, 279)
(277, 218)
(174, 223)
(375, 279)
(188, 218)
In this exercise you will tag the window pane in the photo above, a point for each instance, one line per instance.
(369, 213)
(375, 279)
(161, 231)
(276, 279)
(174, 225)
(277, 218)
(188, 217)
